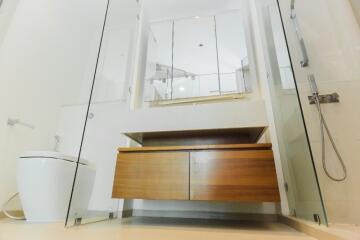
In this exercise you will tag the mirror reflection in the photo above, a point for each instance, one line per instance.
(197, 56)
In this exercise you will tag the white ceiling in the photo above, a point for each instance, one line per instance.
(168, 9)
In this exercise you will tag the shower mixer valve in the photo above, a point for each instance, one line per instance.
(326, 98)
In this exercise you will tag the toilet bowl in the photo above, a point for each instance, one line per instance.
(45, 180)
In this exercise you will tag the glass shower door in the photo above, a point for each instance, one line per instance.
(108, 101)
(300, 177)
(330, 31)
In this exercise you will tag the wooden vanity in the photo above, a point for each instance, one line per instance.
(213, 172)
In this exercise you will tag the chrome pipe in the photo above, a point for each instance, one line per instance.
(305, 58)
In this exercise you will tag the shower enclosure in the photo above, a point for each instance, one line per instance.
(300, 178)
(326, 35)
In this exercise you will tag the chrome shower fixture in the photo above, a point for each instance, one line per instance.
(323, 126)
(327, 98)
(305, 58)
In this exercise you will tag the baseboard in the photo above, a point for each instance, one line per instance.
(16, 213)
(206, 215)
(309, 228)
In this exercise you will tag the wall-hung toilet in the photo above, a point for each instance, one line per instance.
(45, 181)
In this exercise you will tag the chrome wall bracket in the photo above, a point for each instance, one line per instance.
(305, 58)
(327, 98)
(78, 221)
(317, 218)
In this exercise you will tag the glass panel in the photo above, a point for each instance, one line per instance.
(102, 137)
(232, 48)
(195, 58)
(159, 62)
(331, 33)
(303, 191)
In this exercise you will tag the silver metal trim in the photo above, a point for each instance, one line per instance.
(326, 98)
(305, 61)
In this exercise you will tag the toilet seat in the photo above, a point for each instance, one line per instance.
(53, 155)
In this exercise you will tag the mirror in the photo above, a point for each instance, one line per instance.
(198, 56)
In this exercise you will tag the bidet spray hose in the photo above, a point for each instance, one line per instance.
(7, 213)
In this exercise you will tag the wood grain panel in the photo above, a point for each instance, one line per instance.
(259, 146)
(229, 175)
(200, 136)
(156, 175)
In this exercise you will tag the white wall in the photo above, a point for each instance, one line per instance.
(234, 114)
(49, 49)
(332, 37)
(159, 10)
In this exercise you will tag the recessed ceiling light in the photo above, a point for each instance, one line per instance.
(181, 89)
(197, 17)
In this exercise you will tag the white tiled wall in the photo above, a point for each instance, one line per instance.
(332, 37)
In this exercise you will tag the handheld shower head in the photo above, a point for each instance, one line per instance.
(313, 85)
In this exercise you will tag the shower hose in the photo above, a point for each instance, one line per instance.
(324, 126)
(7, 213)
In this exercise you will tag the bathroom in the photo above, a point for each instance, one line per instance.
(77, 75)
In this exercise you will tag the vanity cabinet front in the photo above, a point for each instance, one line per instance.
(230, 175)
(152, 175)
(242, 172)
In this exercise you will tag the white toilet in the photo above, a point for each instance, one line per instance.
(45, 180)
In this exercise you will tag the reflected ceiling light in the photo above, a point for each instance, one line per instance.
(197, 17)
(181, 89)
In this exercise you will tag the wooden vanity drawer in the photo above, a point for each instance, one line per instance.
(243, 172)
(231, 175)
(152, 175)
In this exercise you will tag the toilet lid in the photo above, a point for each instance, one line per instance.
(51, 154)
